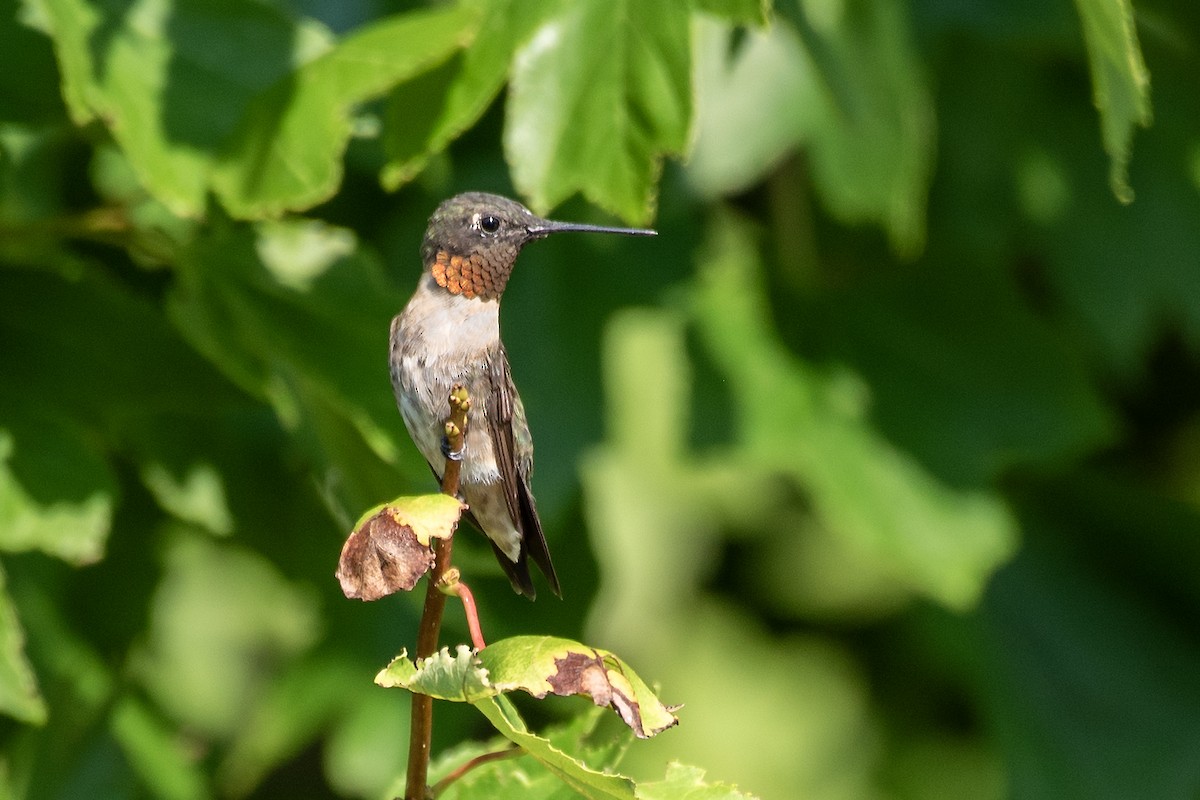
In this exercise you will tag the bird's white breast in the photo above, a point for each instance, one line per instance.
(444, 340)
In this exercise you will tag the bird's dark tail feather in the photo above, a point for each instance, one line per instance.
(518, 573)
(533, 542)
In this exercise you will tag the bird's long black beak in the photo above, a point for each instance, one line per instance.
(545, 227)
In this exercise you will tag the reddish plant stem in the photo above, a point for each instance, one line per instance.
(463, 592)
(421, 725)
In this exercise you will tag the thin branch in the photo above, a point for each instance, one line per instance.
(477, 761)
(421, 727)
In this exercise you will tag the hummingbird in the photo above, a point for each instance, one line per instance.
(449, 333)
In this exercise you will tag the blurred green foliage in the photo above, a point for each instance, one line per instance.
(883, 458)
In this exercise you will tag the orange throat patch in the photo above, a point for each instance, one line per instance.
(471, 276)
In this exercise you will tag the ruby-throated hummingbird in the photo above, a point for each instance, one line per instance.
(450, 333)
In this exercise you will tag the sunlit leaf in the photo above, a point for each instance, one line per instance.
(297, 252)
(19, 694)
(456, 676)
(1120, 82)
(598, 96)
(287, 152)
(687, 783)
(542, 665)
(196, 497)
(173, 79)
(238, 98)
(428, 112)
(539, 665)
(56, 495)
(222, 615)
(766, 77)
(943, 542)
(846, 85)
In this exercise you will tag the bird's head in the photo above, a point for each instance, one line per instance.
(473, 240)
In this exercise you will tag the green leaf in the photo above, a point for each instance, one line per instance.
(546, 664)
(297, 252)
(588, 782)
(872, 131)
(431, 516)
(1120, 82)
(283, 342)
(940, 541)
(428, 112)
(598, 96)
(155, 752)
(220, 615)
(198, 496)
(236, 97)
(521, 775)
(687, 783)
(1009, 386)
(78, 388)
(444, 676)
(645, 479)
(19, 695)
(287, 153)
(749, 12)
(846, 83)
(1068, 689)
(311, 698)
(767, 76)
(173, 79)
(368, 744)
(56, 494)
(530, 779)
(538, 665)
(316, 354)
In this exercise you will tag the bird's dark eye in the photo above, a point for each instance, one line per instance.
(489, 224)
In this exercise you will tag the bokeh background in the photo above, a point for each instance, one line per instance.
(883, 458)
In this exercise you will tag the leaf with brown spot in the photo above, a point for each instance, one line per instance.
(391, 547)
(541, 665)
